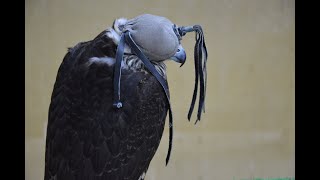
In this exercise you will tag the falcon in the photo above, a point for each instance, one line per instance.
(111, 98)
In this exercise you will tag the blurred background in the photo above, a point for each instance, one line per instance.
(248, 128)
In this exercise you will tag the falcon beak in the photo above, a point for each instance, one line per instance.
(180, 56)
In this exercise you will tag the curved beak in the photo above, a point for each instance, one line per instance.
(180, 56)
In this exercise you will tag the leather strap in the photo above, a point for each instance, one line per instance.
(160, 79)
(200, 61)
(117, 73)
(126, 36)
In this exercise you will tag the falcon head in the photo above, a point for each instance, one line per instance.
(154, 35)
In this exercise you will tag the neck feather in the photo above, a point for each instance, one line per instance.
(132, 62)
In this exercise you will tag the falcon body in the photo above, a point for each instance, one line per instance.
(87, 138)
(111, 98)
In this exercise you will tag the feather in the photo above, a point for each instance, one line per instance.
(86, 137)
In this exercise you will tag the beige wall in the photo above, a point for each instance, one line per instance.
(248, 128)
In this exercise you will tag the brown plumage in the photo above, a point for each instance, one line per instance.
(86, 137)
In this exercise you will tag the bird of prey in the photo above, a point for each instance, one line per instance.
(111, 98)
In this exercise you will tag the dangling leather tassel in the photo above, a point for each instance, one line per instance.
(200, 61)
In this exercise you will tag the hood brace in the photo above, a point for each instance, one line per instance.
(200, 70)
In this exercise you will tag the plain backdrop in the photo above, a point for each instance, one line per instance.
(248, 128)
